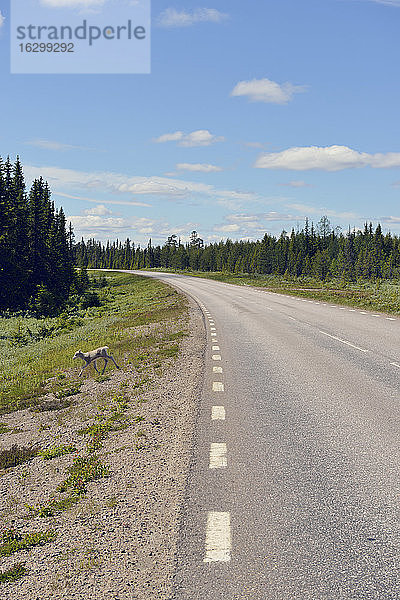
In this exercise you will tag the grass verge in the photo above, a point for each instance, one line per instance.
(142, 322)
(39, 367)
(380, 295)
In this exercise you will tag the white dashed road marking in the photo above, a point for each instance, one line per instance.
(343, 341)
(395, 365)
(218, 456)
(218, 537)
(218, 413)
(218, 386)
(217, 369)
(213, 328)
(216, 348)
(213, 334)
(216, 357)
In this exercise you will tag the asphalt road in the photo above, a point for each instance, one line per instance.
(295, 494)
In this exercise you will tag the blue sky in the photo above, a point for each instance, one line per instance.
(254, 116)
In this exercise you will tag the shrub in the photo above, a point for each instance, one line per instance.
(52, 405)
(82, 471)
(16, 455)
(57, 451)
(12, 541)
(45, 303)
(15, 572)
(90, 299)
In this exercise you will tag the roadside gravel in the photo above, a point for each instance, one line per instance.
(119, 541)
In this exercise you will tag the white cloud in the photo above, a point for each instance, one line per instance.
(388, 2)
(242, 218)
(171, 17)
(73, 3)
(2, 19)
(306, 210)
(201, 137)
(108, 226)
(95, 223)
(251, 226)
(117, 183)
(51, 145)
(227, 228)
(254, 221)
(296, 184)
(109, 201)
(170, 137)
(273, 215)
(265, 90)
(99, 210)
(390, 220)
(197, 167)
(330, 158)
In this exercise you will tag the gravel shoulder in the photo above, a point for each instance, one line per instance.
(120, 540)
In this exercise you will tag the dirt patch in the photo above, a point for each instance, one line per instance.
(119, 540)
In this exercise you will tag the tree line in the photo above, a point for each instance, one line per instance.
(320, 251)
(38, 255)
(36, 247)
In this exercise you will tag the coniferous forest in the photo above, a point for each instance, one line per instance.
(36, 253)
(320, 251)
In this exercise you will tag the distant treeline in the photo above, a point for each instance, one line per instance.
(319, 251)
(36, 253)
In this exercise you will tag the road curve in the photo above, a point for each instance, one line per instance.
(294, 491)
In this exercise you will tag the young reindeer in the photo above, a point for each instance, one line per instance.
(92, 356)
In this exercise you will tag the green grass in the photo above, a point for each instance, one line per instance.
(83, 470)
(380, 296)
(57, 451)
(12, 541)
(127, 302)
(16, 572)
(86, 468)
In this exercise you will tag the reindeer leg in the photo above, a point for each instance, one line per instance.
(87, 364)
(105, 364)
(95, 366)
(114, 362)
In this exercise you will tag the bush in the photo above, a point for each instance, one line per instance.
(48, 405)
(12, 541)
(45, 303)
(57, 451)
(16, 572)
(16, 455)
(89, 299)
